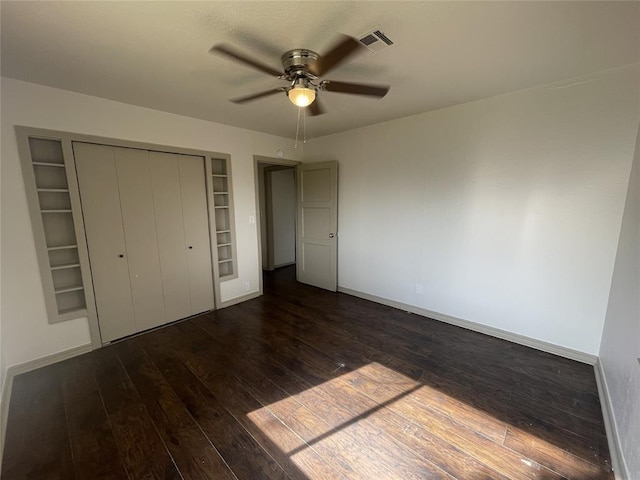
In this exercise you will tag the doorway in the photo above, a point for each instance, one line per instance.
(276, 207)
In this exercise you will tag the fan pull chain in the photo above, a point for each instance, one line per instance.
(304, 126)
(295, 145)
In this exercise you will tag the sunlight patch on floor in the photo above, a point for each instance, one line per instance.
(379, 422)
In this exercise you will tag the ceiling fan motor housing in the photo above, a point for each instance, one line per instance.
(297, 62)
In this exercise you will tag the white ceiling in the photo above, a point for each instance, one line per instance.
(155, 54)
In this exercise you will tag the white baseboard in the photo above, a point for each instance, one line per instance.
(477, 327)
(617, 459)
(48, 360)
(281, 265)
(240, 299)
(7, 385)
(14, 370)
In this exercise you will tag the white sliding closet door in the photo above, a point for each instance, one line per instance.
(165, 178)
(196, 232)
(98, 183)
(138, 218)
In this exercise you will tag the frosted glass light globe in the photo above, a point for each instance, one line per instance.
(302, 96)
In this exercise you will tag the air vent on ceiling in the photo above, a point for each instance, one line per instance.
(375, 40)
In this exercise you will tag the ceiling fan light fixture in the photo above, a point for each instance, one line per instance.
(304, 69)
(301, 95)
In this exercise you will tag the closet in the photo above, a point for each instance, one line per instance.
(146, 223)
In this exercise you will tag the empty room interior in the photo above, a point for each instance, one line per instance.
(320, 240)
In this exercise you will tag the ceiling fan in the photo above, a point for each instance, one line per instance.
(303, 69)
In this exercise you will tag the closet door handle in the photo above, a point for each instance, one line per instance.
(121, 256)
(190, 247)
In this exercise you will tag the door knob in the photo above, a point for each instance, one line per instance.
(331, 235)
(190, 247)
(121, 256)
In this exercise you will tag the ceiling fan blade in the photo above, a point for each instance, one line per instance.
(346, 47)
(255, 96)
(242, 58)
(356, 88)
(316, 108)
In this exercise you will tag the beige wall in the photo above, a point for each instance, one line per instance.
(506, 210)
(283, 214)
(26, 335)
(620, 347)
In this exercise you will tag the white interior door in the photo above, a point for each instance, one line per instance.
(98, 184)
(317, 224)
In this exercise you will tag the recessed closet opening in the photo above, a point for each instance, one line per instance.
(129, 235)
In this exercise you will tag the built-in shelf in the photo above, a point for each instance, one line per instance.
(73, 312)
(223, 218)
(60, 264)
(69, 289)
(62, 247)
(49, 164)
(64, 267)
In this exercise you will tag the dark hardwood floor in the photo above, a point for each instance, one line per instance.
(302, 383)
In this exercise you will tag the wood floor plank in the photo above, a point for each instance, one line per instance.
(333, 416)
(408, 464)
(37, 425)
(275, 437)
(490, 453)
(142, 450)
(95, 454)
(357, 430)
(538, 416)
(143, 453)
(116, 388)
(488, 365)
(459, 349)
(330, 338)
(241, 452)
(566, 431)
(501, 433)
(279, 439)
(513, 355)
(537, 473)
(194, 455)
(485, 424)
(553, 457)
(495, 405)
(408, 430)
(305, 384)
(365, 453)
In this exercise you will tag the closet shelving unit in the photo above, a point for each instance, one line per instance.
(47, 181)
(223, 216)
